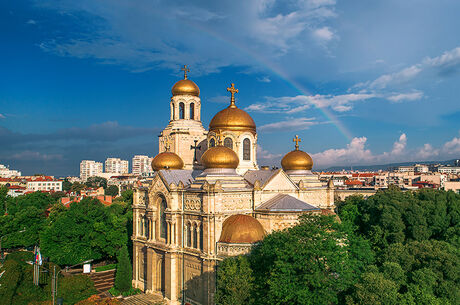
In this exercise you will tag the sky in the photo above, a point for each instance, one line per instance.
(360, 82)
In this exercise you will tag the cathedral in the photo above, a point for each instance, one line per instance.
(209, 199)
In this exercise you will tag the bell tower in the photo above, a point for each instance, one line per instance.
(185, 130)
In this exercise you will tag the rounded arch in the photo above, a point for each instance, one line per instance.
(173, 111)
(246, 149)
(212, 142)
(161, 206)
(192, 111)
(181, 111)
(228, 142)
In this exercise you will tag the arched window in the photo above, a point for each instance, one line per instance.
(189, 235)
(228, 142)
(246, 149)
(163, 222)
(181, 111)
(195, 237)
(173, 112)
(212, 143)
(192, 111)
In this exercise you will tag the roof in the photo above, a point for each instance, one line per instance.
(353, 182)
(263, 176)
(283, 202)
(186, 176)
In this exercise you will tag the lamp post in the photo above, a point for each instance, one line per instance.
(1, 239)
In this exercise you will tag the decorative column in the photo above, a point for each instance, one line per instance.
(198, 232)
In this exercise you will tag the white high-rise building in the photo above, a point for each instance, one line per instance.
(5, 172)
(142, 164)
(89, 168)
(116, 166)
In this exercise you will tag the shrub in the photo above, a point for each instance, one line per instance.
(76, 288)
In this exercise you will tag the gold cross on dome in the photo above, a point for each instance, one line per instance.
(185, 69)
(167, 144)
(297, 140)
(232, 90)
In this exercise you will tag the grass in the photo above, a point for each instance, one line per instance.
(106, 267)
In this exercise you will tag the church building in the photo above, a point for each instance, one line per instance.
(209, 199)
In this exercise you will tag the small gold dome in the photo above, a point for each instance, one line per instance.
(167, 160)
(185, 87)
(297, 160)
(220, 157)
(241, 229)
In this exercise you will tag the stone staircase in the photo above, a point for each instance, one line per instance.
(143, 299)
(103, 281)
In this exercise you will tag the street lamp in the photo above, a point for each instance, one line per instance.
(1, 238)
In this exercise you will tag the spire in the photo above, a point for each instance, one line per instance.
(297, 140)
(232, 90)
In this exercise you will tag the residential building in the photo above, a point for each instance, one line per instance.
(116, 166)
(449, 169)
(44, 183)
(5, 172)
(142, 164)
(452, 186)
(89, 168)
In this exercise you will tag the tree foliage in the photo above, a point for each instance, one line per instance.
(111, 190)
(123, 277)
(96, 182)
(87, 230)
(236, 282)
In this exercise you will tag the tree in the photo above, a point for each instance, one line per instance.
(235, 281)
(123, 277)
(314, 262)
(111, 190)
(66, 185)
(86, 230)
(77, 187)
(3, 199)
(96, 182)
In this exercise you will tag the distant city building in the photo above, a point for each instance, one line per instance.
(44, 183)
(89, 168)
(5, 172)
(405, 169)
(142, 164)
(421, 168)
(116, 166)
(449, 169)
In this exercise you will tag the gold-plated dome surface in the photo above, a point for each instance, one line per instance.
(167, 160)
(185, 87)
(220, 157)
(232, 118)
(241, 229)
(297, 159)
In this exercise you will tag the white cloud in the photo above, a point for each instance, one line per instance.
(264, 79)
(31, 21)
(267, 156)
(2, 116)
(453, 146)
(447, 59)
(427, 152)
(323, 34)
(294, 104)
(400, 145)
(290, 124)
(395, 78)
(355, 152)
(413, 96)
(35, 156)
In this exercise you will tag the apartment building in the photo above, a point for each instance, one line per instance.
(449, 170)
(5, 172)
(142, 164)
(89, 168)
(44, 184)
(116, 166)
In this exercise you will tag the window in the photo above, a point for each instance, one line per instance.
(181, 111)
(163, 222)
(189, 235)
(173, 111)
(192, 111)
(246, 149)
(212, 143)
(195, 237)
(228, 142)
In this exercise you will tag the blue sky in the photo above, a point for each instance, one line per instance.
(361, 82)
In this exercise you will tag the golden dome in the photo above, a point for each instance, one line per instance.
(167, 160)
(232, 118)
(297, 159)
(241, 229)
(185, 87)
(220, 157)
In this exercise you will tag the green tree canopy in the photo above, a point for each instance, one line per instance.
(111, 190)
(96, 182)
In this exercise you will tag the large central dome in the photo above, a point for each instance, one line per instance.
(232, 118)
